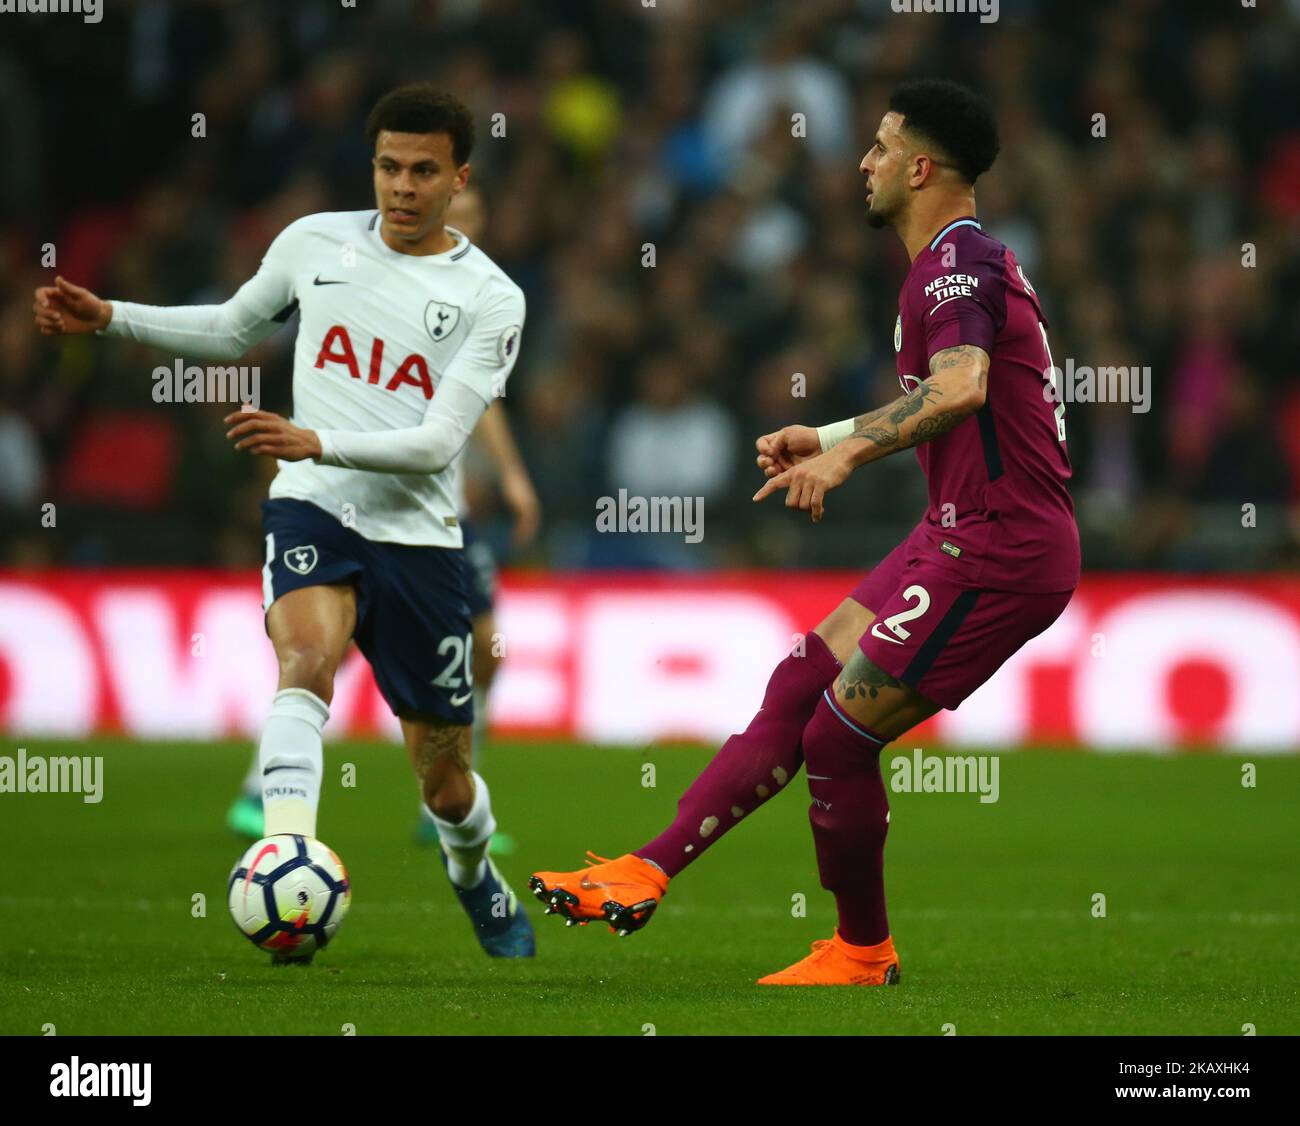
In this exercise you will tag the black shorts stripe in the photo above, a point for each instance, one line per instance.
(989, 437)
(933, 645)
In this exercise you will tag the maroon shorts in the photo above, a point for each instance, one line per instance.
(936, 630)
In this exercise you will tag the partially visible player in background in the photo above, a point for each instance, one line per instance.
(407, 333)
(467, 214)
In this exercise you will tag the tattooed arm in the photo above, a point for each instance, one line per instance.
(792, 458)
(954, 389)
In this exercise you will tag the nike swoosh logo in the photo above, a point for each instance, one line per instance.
(270, 849)
(875, 632)
(943, 302)
(587, 885)
(317, 281)
(273, 769)
(456, 701)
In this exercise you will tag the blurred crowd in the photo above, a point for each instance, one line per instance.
(696, 263)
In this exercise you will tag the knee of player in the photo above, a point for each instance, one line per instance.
(450, 798)
(308, 667)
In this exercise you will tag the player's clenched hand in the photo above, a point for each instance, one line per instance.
(261, 432)
(67, 308)
(785, 448)
(807, 483)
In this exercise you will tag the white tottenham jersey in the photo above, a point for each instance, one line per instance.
(380, 332)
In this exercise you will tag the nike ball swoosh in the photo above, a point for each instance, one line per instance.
(269, 849)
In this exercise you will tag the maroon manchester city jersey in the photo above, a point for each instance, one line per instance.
(997, 480)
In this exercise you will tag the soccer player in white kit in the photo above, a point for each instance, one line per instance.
(467, 214)
(407, 333)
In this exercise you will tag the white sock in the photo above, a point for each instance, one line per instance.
(292, 762)
(466, 842)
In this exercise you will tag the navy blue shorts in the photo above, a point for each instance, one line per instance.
(413, 620)
(481, 566)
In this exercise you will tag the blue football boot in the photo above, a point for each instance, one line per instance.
(500, 924)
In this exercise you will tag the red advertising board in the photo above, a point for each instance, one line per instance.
(1146, 662)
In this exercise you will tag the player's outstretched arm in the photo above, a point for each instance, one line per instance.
(954, 390)
(223, 332)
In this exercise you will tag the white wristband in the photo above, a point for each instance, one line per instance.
(834, 434)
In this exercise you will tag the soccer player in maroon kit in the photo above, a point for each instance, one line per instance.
(992, 564)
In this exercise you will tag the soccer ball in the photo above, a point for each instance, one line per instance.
(288, 894)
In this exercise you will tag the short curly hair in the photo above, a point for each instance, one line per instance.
(423, 108)
(955, 118)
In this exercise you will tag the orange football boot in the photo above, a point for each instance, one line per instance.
(836, 962)
(623, 892)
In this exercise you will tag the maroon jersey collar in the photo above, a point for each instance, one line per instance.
(964, 221)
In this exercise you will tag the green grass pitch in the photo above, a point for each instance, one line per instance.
(991, 905)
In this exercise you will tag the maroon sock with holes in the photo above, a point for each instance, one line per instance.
(850, 818)
(752, 766)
